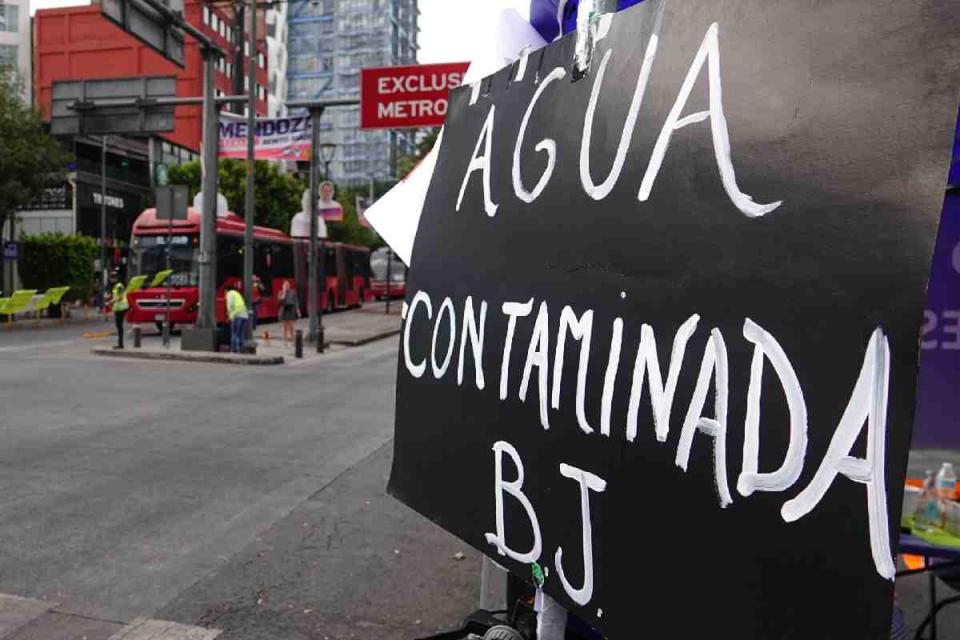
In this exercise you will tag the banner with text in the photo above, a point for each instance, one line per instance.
(663, 317)
(409, 96)
(275, 138)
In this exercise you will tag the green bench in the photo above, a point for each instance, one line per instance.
(19, 302)
(49, 299)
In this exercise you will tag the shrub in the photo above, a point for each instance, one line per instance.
(56, 259)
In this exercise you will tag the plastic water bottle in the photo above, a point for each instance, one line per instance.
(930, 508)
(947, 482)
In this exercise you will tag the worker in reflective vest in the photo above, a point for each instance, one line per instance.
(118, 299)
(237, 314)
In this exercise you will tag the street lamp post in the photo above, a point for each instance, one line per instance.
(252, 63)
(326, 152)
(316, 109)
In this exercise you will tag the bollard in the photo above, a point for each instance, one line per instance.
(298, 344)
(320, 339)
(136, 337)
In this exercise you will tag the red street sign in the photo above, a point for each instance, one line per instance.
(407, 97)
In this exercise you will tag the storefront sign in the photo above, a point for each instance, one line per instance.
(663, 320)
(409, 96)
(11, 251)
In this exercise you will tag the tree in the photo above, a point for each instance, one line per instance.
(276, 194)
(30, 158)
(54, 260)
(407, 163)
(350, 230)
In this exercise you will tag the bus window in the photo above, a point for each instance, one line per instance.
(263, 265)
(229, 258)
(283, 261)
(330, 262)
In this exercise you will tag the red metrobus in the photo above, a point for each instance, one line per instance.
(344, 274)
(384, 262)
(273, 263)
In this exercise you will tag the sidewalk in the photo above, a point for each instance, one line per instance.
(342, 329)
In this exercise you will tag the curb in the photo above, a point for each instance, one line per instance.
(367, 339)
(187, 356)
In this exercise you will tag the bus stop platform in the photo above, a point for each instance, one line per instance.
(342, 330)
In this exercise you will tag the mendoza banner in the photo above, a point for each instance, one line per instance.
(663, 317)
(276, 138)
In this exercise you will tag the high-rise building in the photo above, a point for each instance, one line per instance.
(277, 33)
(330, 41)
(15, 39)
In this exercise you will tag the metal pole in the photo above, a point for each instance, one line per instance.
(389, 275)
(166, 325)
(207, 316)
(104, 278)
(251, 166)
(312, 301)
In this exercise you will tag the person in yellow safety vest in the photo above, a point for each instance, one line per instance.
(118, 299)
(237, 314)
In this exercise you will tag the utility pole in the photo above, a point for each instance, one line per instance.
(315, 330)
(316, 109)
(207, 316)
(248, 215)
(104, 277)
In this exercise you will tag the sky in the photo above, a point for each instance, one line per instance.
(448, 28)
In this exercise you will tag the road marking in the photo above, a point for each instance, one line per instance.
(37, 346)
(144, 629)
(16, 612)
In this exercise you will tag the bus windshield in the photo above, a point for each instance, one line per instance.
(149, 257)
(378, 267)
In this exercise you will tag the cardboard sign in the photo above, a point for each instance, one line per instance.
(662, 321)
(408, 96)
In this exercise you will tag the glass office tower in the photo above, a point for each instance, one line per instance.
(329, 42)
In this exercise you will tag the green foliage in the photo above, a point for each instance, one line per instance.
(278, 198)
(406, 164)
(53, 259)
(276, 194)
(350, 230)
(30, 159)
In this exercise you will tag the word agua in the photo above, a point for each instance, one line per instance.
(867, 405)
(708, 54)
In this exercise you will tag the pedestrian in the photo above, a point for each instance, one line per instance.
(118, 300)
(289, 309)
(256, 297)
(237, 315)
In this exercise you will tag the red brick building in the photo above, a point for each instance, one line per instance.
(78, 43)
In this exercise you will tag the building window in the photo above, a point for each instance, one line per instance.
(261, 61)
(9, 18)
(206, 15)
(8, 54)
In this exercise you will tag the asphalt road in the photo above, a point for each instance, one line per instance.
(249, 500)
(133, 488)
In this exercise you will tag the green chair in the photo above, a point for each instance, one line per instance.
(136, 283)
(160, 278)
(58, 295)
(43, 303)
(17, 303)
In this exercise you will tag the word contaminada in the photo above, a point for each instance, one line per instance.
(867, 405)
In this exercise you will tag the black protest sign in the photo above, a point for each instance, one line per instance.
(662, 319)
